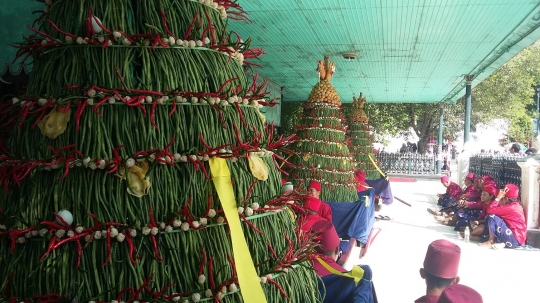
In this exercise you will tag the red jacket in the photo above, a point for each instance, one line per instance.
(325, 211)
(454, 191)
(306, 222)
(513, 216)
(484, 212)
(472, 193)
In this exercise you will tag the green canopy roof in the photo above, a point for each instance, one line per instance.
(408, 50)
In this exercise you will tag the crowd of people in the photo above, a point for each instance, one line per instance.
(494, 217)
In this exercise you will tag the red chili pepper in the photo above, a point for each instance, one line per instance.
(126, 36)
(173, 107)
(51, 245)
(233, 266)
(144, 286)
(78, 114)
(97, 105)
(208, 204)
(74, 238)
(211, 273)
(190, 28)
(203, 261)
(61, 220)
(97, 225)
(40, 33)
(160, 294)
(79, 253)
(108, 247)
(278, 287)
(130, 246)
(165, 23)
(251, 188)
(61, 31)
(121, 293)
(211, 27)
(152, 220)
(250, 224)
(63, 109)
(153, 114)
(226, 82)
(272, 250)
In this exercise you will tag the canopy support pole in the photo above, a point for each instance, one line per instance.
(440, 140)
(468, 98)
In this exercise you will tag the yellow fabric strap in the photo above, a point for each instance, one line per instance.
(377, 167)
(250, 287)
(357, 273)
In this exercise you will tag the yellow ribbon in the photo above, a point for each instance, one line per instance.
(248, 279)
(357, 273)
(377, 167)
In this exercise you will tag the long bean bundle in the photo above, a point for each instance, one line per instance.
(322, 153)
(361, 139)
(107, 192)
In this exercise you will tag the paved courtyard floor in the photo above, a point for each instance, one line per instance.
(398, 253)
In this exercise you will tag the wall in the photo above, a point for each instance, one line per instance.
(14, 16)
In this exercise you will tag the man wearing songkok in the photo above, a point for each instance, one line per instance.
(478, 225)
(337, 288)
(471, 192)
(458, 293)
(440, 269)
(505, 222)
(312, 205)
(452, 194)
(314, 190)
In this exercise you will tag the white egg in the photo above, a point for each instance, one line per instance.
(66, 215)
(95, 26)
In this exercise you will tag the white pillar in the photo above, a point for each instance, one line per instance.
(463, 166)
(530, 191)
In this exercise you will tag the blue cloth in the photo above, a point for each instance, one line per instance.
(466, 216)
(338, 289)
(445, 200)
(501, 232)
(354, 220)
(382, 189)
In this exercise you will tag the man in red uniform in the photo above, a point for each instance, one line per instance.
(440, 269)
(337, 288)
(505, 222)
(452, 194)
(314, 190)
(312, 205)
(458, 293)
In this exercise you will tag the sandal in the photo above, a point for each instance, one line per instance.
(381, 217)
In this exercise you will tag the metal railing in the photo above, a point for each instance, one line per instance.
(407, 163)
(504, 168)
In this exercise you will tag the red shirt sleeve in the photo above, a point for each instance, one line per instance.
(501, 211)
(475, 205)
(454, 191)
(325, 211)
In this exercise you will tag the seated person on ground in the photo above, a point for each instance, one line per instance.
(505, 222)
(469, 192)
(472, 191)
(314, 190)
(452, 194)
(440, 269)
(458, 293)
(477, 225)
(336, 288)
